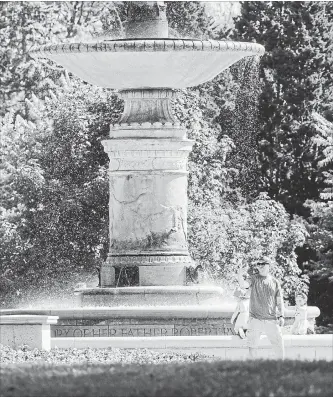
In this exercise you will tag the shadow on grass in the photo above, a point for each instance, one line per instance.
(256, 378)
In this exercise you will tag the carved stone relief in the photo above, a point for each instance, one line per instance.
(148, 212)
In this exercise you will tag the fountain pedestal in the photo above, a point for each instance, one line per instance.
(148, 153)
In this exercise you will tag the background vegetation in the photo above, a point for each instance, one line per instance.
(261, 171)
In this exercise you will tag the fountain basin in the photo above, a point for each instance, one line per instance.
(148, 63)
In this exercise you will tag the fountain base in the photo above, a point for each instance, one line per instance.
(149, 273)
(150, 296)
(188, 329)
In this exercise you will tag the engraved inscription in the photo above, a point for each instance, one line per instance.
(143, 328)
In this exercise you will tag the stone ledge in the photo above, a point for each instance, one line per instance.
(133, 311)
(149, 147)
(150, 296)
(28, 319)
(140, 132)
(312, 311)
(311, 347)
(309, 340)
(154, 289)
(230, 341)
(31, 330)
(190, 311)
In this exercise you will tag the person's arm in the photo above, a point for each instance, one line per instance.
(235, 314)
(240, 279)
(303, 314)
(280, 305)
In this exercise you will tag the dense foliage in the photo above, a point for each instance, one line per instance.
(24, 354)
(320, 224)
(295, 115)
(294, 72)
(55, 172)
(26, 24)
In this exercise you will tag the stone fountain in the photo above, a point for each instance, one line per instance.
(147, 148)
(148, 151)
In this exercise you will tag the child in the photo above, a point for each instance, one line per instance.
(241, 313)
(301, 324)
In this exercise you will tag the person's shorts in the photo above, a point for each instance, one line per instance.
(270, 328)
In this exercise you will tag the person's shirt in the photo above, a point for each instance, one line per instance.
(266, 302)
(301, 313)
(244, 306)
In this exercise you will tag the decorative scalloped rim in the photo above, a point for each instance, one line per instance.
(149, 46)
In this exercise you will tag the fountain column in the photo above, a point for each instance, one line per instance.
(148, 153)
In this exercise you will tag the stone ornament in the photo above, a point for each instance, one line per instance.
(146, 19)
(145, 10)
(148, 155)
(147, 164)
(146, 108)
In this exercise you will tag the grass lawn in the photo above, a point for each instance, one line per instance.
(175, 379)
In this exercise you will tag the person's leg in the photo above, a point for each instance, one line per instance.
(236, 330)
(239, 328)
(242, 321)
(253, 337)
(274, 334)
(241, 332)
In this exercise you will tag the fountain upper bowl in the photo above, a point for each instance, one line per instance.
(148, 63)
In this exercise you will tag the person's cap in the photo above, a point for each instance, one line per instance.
(264, 261)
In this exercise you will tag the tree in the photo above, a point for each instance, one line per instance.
(189, 20)
(27, 24)
(240, 123)
(324, 31)
(223, 13)
(320, 223)
(229, 237)
(291, 71)
(54, 211)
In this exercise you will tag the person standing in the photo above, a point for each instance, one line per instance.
(266, 314)
(241, 314)
(301, 325)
